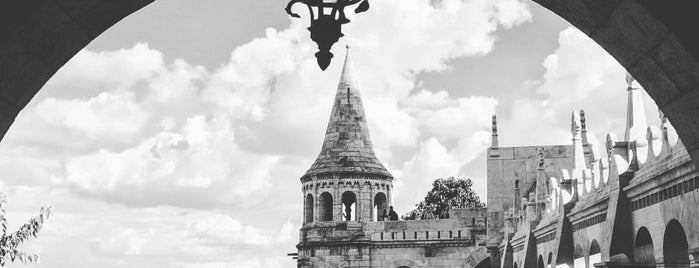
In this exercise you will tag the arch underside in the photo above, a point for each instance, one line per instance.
(645, 36)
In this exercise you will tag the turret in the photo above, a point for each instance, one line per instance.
(347, 182)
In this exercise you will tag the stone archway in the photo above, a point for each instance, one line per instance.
(325, 207)
(645, 36)
(578, 257)
(643, 250)
(675, 246)
(595, 254)
(308, 209)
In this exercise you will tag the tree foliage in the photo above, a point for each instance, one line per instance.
(446, 194)
(10, 242)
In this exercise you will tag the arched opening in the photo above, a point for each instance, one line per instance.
(515, 266)
(578, 257)
(326, 207)
(540, 263)
(308, 209)
(595, 253)
(675, 246)
(380, 209)
(549, 262)
(643, 248)
(689, 131)
(485, 263)
(349, 206)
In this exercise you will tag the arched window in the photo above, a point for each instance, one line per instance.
(643, 247)
(349, 206)
(308, 209)
(326, 207)
(595, 253)
(380, 207)
(675, 245)
(550, 260)
(515, 266)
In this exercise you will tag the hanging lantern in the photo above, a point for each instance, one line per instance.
(327, 17)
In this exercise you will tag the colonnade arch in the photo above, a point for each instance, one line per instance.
(675, 245)
(643, 251)
(349, 206)
(578, 257)
(325, 207)
(308, 209)
(595, 253)
(380, 208)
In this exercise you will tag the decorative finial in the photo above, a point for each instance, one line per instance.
(663, 118)
(495, 124)
(629, 80)
(494, 139)
(575, 125)
(540, 157)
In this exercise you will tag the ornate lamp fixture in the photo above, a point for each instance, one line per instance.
(327, 17)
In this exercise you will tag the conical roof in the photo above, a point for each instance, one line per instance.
(347, 147)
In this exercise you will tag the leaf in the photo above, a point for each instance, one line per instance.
(363, 6)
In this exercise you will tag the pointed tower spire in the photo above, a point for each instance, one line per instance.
(494, 140)
(347, 148)
(636, 123)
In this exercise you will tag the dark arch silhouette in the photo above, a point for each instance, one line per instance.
(675, 245)
(540, 262)
(349, 206)
(485, 263)
(648, 37)
(643, 252)
(326, 207)
(549, 263)
(308, 209)
(380, 205)
(578, 255)
(595, 253)
(515, 265)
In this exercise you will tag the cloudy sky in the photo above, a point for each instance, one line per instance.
(177, 138)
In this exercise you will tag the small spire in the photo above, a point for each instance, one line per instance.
(583, 127)
(636, 123)
(347, 76)
(494, 141)
(578, 153)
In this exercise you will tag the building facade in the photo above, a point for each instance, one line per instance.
(637, 207)
(548, 206)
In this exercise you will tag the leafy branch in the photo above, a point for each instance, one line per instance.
(10, 243)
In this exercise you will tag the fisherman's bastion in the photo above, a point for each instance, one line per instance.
(562, 205)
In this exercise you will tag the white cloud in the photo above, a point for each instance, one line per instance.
(579, 75)
(169, 146)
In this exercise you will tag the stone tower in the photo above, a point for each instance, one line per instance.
(346, 182)
(345, 193)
